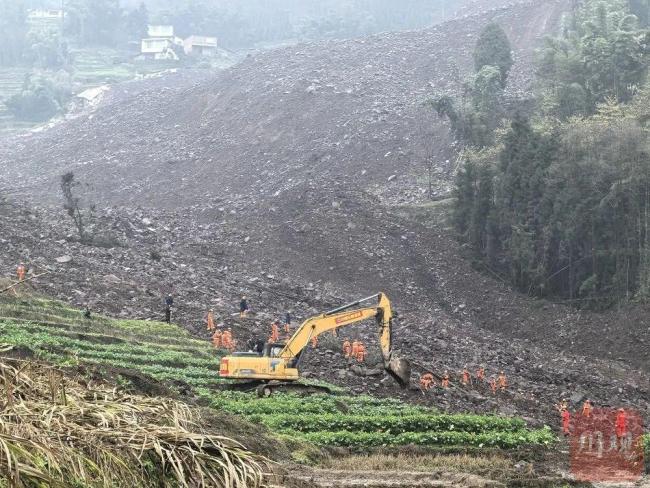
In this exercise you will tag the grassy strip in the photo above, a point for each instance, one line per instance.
(492, 466)
(505, 440)
(19, 335)
(247, 404)
(98, 334)
(395, 425)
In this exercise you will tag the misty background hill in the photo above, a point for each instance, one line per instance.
(246, 24)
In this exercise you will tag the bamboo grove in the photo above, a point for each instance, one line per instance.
(557, 199)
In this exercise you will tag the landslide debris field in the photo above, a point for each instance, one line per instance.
(93, 394)
(297, 178)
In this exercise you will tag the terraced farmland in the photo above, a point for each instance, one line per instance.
(60, 334)
(366, 422)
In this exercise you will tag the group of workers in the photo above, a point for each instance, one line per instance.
(498, 383)
(223, 339)
(620, 422)
(355, 350)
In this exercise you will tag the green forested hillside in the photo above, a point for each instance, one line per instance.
(559, 202)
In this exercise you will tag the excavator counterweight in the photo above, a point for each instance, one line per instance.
(279, 363)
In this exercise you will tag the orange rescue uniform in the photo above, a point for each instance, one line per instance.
(493, 385)
(275, 332)
(566, 419)
(480, 374)
(347, 348)
(217, 339)
(503, 382)
(210, 320)
(361, 353)
(445, 381)
(466, 377)
(426, 381)
(21, 271)
(586, 409)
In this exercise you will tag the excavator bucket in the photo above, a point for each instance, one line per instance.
(400, 370)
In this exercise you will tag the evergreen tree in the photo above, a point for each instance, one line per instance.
(493, 49)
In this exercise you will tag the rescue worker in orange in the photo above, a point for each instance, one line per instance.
(355, 349)
(493, 385)
(466, 378)
(426, 381)
(563, 405)
(275, 331)
(314, 342)
(503, 381)
(209, 320)
(480, 374)
(226, 339)
(347, 348)
(586, 408)
(621, 424)
(217, 339)
(21, 271)
(445, 380)
(361, 353)
(566, 419)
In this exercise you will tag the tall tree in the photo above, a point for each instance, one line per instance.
(493, 49)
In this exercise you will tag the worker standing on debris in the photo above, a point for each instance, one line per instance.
(355, 349)
(563, 405)
(169, 303)
(217, 339)
(466, 379)
(243, 307)
(586, 408)
(21, 271)
(566, 420)
(209, 320)
(621, 424)
(287, 322)
(493, 384)
(426, 381)
(361, 353)
(445, 380)
(226, 338)
(275, 331)
(503, 381)
(347, 348)
(314, 342)
(480, 374)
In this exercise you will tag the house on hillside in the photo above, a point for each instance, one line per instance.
(160, 31)
(45, 18)
(159, 49)
(200, 46)
(161, 43)
(44, 15)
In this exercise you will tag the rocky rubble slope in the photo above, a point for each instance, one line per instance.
(292, 178)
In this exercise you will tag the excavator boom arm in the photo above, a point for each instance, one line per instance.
(348, 315)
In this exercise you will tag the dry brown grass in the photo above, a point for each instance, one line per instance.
(490, 466)
(57, 431)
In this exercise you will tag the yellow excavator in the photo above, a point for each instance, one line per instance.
(277, 367)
